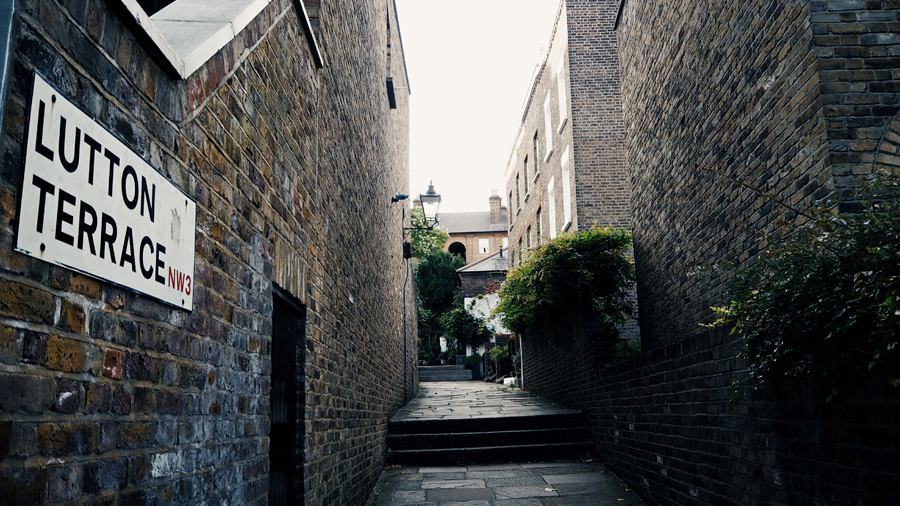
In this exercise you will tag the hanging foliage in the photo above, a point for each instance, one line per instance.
(588, 270)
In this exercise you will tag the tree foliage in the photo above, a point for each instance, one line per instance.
(588, 270)
(425, 241)
(826, 300)
(437, 284)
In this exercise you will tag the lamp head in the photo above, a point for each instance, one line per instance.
(431, 201)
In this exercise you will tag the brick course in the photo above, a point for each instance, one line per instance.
(130, 401)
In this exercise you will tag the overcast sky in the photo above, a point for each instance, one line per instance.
(470, 65)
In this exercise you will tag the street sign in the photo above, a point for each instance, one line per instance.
(91, 204)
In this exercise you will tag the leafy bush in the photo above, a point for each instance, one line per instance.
(576, 270)
(499, 353)
(472, 360)
(464, 328)
(826, 300)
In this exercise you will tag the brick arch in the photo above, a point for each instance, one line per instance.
(887, 156)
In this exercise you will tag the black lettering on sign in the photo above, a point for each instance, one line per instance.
(150, 199)
(95, 148)
(113, 161)
(63, 216)
(107, 236)
(128, 250)
(148, 272)
(85, 228)
(128, 172)
(44, 188)
(38, 143)
(160, 264)
(70, 166)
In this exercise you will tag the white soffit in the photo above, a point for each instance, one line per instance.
(190, 32)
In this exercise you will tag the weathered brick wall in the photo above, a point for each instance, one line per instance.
(671, 424)
(292, 169)
(788, 96)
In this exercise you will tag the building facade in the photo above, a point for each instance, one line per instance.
(567, 169)
(476, 235)
(195, 306)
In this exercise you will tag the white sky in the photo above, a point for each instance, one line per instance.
(470, 65)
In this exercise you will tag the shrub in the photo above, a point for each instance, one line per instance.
(472, 360)
(826, 300)
(583, 269)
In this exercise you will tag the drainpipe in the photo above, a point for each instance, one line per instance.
(522, 360)
(7, 10)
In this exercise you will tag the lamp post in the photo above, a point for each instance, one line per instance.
(430, 202)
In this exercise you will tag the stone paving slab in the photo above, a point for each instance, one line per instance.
(473, 399)
(525, 484)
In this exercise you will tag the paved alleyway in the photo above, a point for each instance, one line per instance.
(473, 399)
(515, 484)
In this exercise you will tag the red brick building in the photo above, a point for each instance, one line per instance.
(476, 235)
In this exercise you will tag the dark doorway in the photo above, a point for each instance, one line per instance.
(287, 403)
(457, 248)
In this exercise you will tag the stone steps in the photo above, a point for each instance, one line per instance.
(488, 440)
(444, 373)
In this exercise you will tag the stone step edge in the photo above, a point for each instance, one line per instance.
(568, 419)
(400, 442)
(487, 454)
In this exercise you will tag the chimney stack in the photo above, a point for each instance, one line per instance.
(495, 208)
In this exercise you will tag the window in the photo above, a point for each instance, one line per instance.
(567, 190)
(510, 203)
(528, 236)
(505, 242)
(519, 252)
(561, 92)
(540, 227)
(484, 245)
(537, 155)
(552, 206)
(525, 168)
(518, 199)
(548, 128)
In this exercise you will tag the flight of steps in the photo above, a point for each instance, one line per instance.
(451, 441)
(444, 373)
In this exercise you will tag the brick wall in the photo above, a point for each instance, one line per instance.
(790, 97)
(793, 98)
(671, 424)
(292, 169)
(602, 188)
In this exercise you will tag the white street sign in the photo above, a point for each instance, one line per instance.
(90, 204)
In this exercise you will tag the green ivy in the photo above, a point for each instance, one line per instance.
(587, 270)
(825, 301)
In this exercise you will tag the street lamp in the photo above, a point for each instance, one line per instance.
(430, 203)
